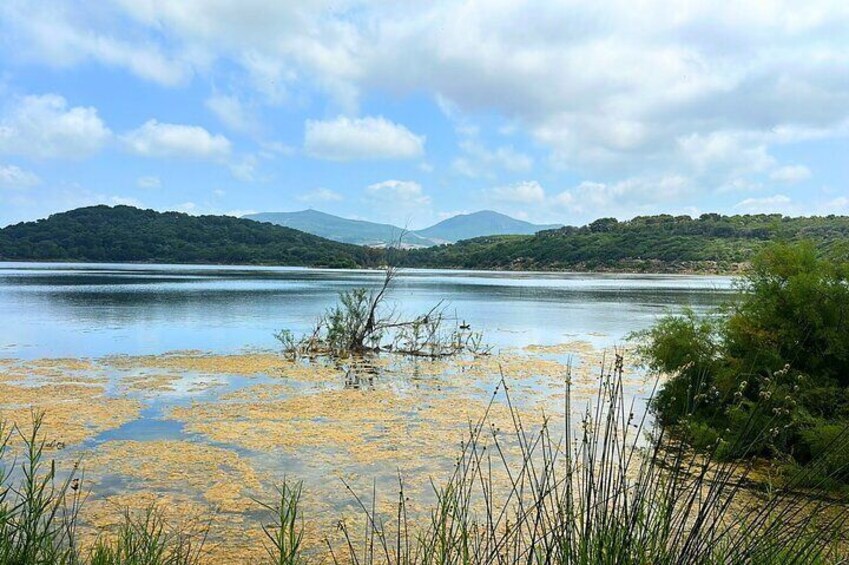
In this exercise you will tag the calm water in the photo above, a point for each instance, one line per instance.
(58, 310)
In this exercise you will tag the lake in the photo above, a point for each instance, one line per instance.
(166, 385)
(86, 310)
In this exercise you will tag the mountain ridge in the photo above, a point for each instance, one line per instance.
(363, 232)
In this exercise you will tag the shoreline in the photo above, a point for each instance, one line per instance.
(691, 272)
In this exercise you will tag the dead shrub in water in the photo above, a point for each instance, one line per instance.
(362, 322)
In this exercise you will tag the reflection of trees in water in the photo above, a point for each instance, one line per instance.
(360, 374)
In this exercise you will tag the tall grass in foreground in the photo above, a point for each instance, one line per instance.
(40, 515)
(616, 492)
(613, 490)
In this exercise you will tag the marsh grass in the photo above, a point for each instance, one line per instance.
(40, 515)
(614, 489)
(145, 538)
(284, 535)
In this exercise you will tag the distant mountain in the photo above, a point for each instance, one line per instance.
(341, 229)
(477, 224)
(127, 234)
(464, 226)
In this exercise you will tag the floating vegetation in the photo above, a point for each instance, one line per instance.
(238, 364)
(221, 477)
(517, 485)
(72, 412)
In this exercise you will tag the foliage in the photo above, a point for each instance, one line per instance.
(145, 538)
(664, 243)
(284, 537)
(127, 234)
(37, 516)
(783, 343)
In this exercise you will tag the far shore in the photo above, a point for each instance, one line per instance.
(682, 270)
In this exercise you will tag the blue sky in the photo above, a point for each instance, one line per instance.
(409, 112)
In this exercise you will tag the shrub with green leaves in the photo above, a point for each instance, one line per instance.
(782, 346)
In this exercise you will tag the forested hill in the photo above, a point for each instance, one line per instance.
(710, 243)
(127, 234)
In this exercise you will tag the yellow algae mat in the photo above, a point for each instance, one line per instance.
(205, 436)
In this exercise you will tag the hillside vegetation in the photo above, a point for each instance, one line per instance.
(709, 243)
(127, 234)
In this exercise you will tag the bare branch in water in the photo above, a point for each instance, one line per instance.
(362, 321)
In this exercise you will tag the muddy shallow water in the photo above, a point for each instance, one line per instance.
(163, 384)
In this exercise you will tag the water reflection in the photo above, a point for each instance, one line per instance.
(92, 310)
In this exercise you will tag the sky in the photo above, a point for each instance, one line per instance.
(410, 111)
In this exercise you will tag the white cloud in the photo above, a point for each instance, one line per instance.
(791, 174)
(564, 199)
(839, 203)
(778, 202)
(346, 139)
(43, 126)
(12, 176)
(62, 35)
(613, 91)
(149, 182)
(525, 192)
(738, 185)
(481, 162)
(625, 198)
(245, 168)
(155, 139)
(239, 213)
(321, 195)
(187, 207)
(600, 83)
(398, 191)
(233, 113)
(400, 202)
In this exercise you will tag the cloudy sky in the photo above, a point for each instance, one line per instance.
(409, 111)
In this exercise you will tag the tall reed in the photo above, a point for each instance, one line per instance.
(617, 490)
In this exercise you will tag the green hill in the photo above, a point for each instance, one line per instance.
(710, 243)
(127, 234)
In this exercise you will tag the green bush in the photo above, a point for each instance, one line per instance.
(768, 371)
